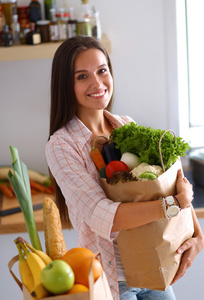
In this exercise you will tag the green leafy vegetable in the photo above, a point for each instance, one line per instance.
(144, 142)
(20, 182)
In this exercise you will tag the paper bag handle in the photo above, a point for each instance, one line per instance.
(91, 280)
(160, 154)
(10, 265)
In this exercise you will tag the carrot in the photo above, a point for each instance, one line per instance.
(33, 191)
(36, 186)
(6, 191)
(97, 158)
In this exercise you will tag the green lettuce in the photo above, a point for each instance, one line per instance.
(144, 142)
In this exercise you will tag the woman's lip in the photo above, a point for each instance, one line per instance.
(97, 94)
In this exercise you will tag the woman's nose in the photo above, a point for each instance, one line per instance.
(96, 82)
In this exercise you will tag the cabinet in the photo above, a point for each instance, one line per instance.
(42, 51)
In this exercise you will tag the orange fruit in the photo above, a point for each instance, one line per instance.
(79, 260)
(73, 250)
(77, 288)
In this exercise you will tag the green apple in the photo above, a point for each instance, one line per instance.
(57, 277)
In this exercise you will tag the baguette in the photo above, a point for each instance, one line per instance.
(54, 239)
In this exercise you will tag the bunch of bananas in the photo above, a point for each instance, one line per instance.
(31, 264)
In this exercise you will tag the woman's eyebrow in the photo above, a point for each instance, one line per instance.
(82, 71)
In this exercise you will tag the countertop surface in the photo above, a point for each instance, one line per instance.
(15, 222)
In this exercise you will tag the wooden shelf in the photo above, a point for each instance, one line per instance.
(42, 51)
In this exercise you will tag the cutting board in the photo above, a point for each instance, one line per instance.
(15, 222)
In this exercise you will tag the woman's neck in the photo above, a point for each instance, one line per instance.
(96, 123)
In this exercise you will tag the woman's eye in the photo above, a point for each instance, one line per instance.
(102, 70)
(82, 76)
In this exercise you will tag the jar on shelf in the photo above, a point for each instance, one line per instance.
(83, 27)
(62, 19)
(42, 26)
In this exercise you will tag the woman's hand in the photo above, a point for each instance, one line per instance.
(189, 251)
(184, 190)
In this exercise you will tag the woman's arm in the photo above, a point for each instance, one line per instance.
(135, 214)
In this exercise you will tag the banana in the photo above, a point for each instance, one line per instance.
(40, 253)
(36, 265)
(24, 270)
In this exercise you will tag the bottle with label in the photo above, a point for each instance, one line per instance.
(95, 24)
(15, 27)
(48, 5)
(35, 11)
(6, 37)
(62, 19)
(71, 26)
(53, 26)
(33, 37)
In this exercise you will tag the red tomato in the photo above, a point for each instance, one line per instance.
(115, 165)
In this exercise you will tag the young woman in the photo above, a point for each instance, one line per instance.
(81, 99)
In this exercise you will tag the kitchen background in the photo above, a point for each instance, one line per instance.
(143, 41)
(144, 56)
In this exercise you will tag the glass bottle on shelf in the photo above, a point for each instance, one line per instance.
(15, 27)
(83, 26)
(35, 11)
(48, 5)
(71, 26)
(62, 19)
(95, 24)
(53, 26)
(33, 37)
(6, 37)
(85, 9)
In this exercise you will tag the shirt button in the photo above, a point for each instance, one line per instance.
(110, 262)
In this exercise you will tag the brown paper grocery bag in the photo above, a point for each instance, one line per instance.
(134, 191)
(99, 290)
(148, 252)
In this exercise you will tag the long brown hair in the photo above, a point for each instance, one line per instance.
(63, 100)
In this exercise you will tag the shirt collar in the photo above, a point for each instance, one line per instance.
(83, 134)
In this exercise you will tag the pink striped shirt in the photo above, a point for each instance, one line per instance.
(91, 213)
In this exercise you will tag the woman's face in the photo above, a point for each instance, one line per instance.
(93, 83)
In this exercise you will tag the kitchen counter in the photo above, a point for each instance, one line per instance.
(198, 201)
(15, 222)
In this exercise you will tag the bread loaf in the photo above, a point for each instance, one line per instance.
(54, 239)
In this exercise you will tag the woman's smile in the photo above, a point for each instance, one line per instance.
(98, 94)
